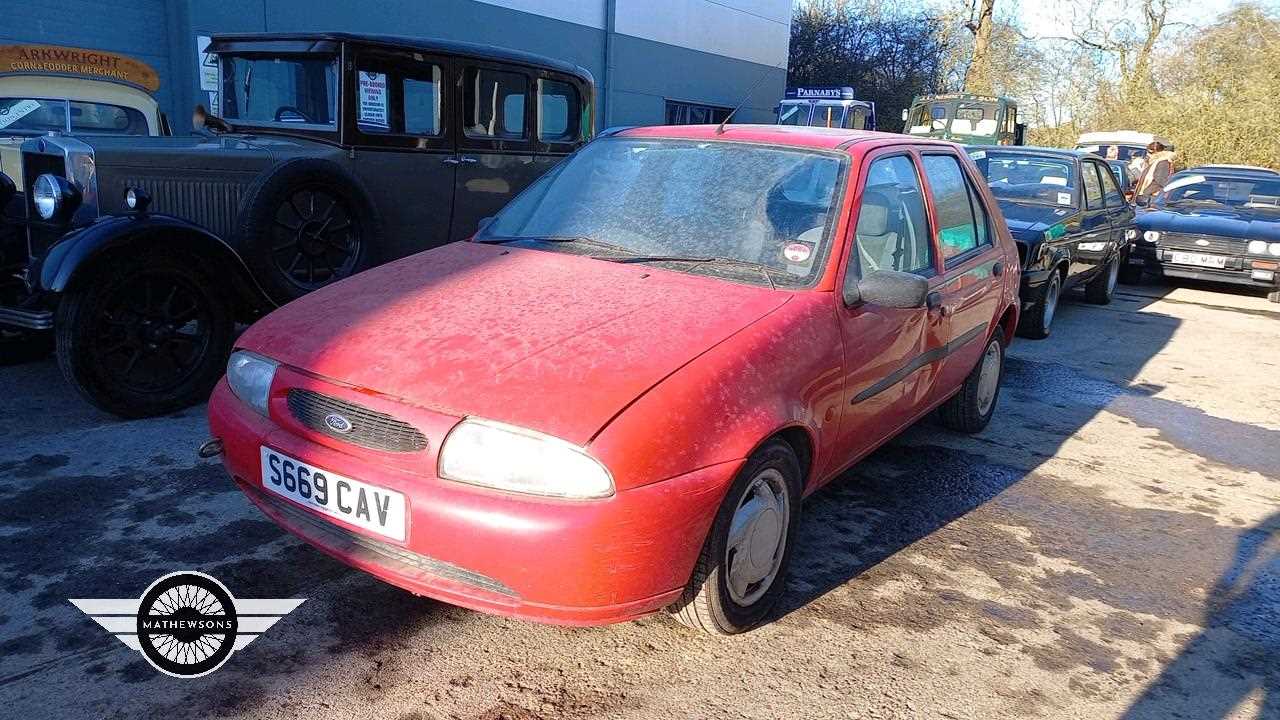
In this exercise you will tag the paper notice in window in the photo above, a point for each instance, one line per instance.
(15, 112)
(373, 99)
(1064, 198)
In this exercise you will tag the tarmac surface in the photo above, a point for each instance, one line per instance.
(1108, 548)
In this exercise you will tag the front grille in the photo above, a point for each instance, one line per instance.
(1215, 245)
(368, 428)
(402, 561)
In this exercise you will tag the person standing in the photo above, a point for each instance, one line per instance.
(1158, 168)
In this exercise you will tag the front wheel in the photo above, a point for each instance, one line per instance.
(1102, 288)
(144, 336)
(740, 571)
(969, 410)
(1274, 296)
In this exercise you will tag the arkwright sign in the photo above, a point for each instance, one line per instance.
(78, 62)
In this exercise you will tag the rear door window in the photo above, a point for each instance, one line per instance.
(1111, 194)
(495, 104)
(1092, 186)
(961, 218)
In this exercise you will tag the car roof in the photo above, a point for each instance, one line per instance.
(1244, 169)
(426, 44)
(790, 135)
(1034, 150)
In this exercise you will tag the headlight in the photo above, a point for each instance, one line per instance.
(1257, 247)
(250, 377)
(1130, 234)
(46, 196)
(1151, 236)
(1274, 249)
(504, 457)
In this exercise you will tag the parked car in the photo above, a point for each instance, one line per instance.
(1220, 225)
(613, 400)
(1070, 220)
(1235, 169)
(1129, 146)
(346, 151)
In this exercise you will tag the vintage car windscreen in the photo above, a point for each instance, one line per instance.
(36, 116)
(297, 92)
(1251, 194)
(766, 210)
(1020, 177)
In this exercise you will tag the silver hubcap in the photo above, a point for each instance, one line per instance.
(1050, 301)
(1112, 275)
(757, 537)
(989, 377)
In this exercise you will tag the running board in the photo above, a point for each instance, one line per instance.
(28, 319)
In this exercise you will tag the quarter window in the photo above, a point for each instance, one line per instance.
(1092, 186)
(962, 221)
(495, 104)
(558, 111)
(892, 231)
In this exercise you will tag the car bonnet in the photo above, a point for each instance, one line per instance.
(550, 341)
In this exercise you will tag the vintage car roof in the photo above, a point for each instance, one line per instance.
(794, 135)
(1121, 137)
(433, 45)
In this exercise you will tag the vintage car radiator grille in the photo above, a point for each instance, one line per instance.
(370, 429)
(1213, 244)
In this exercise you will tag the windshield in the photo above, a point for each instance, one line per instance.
(964, 117)
(1021, 177)
(759, 207)
(828, 115)
(36, 116)
(294, 92)
(1234, 192)
(793, 114)
(1115, 151)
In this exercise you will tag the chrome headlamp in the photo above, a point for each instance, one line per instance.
(250, 376)
(504, 457)
(1151, 236)
(54, 197)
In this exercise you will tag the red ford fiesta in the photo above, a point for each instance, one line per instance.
(612, 400)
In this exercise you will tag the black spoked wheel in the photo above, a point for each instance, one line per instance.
(315, 238)
(144, 337)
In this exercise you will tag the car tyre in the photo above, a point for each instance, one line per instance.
(1036, 321)
(1274, 296)
(144, 336)
(969, 410)
(307, 223)
(726, 595)
(24, 346)
(1102, 287)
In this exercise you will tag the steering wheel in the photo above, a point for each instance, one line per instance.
(283, 109)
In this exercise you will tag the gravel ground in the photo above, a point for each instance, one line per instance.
(1109, 547)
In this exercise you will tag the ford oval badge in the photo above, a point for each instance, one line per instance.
(337, 423)
(1202, 242)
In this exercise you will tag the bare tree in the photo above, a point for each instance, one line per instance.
(1132, 45)
(981, 19)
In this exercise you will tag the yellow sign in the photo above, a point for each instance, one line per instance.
(94, 64)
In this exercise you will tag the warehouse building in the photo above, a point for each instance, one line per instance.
(654, 61)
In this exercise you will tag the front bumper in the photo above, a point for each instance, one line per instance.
(1149, 258)
(557, 561)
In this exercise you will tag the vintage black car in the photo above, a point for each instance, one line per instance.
(1215, 224)
(1069, 219)
(337, 152)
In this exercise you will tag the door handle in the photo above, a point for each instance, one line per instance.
(997, 269)
(451, 161)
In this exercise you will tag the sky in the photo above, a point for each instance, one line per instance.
(1045, 18)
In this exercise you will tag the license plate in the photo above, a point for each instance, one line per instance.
(1190, 258)
(373, 508)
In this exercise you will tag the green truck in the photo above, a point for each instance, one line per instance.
(965, 118)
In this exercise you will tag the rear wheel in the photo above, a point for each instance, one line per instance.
(145, 336)
(1101, 288)
(1036, 320)
(969, 410)
(740, 571)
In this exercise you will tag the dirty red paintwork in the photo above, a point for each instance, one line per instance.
(669, 379)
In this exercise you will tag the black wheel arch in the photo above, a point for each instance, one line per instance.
(72, 260)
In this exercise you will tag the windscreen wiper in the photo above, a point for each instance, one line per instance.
(582, 239)
(764, 269)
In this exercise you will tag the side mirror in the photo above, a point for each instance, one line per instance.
(889, 288)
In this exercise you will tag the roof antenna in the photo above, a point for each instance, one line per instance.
(763, 75)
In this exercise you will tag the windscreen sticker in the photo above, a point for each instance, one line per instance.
(373, 98)
(796, 252)
(17, 111)
(978, 154)
(1064, 198)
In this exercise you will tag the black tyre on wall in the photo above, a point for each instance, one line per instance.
(145, 335)
(740, 572)
(304, 224)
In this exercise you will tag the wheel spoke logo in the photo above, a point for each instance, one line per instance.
(186, 624)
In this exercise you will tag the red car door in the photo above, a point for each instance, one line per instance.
(969, 295)
(889, 353)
